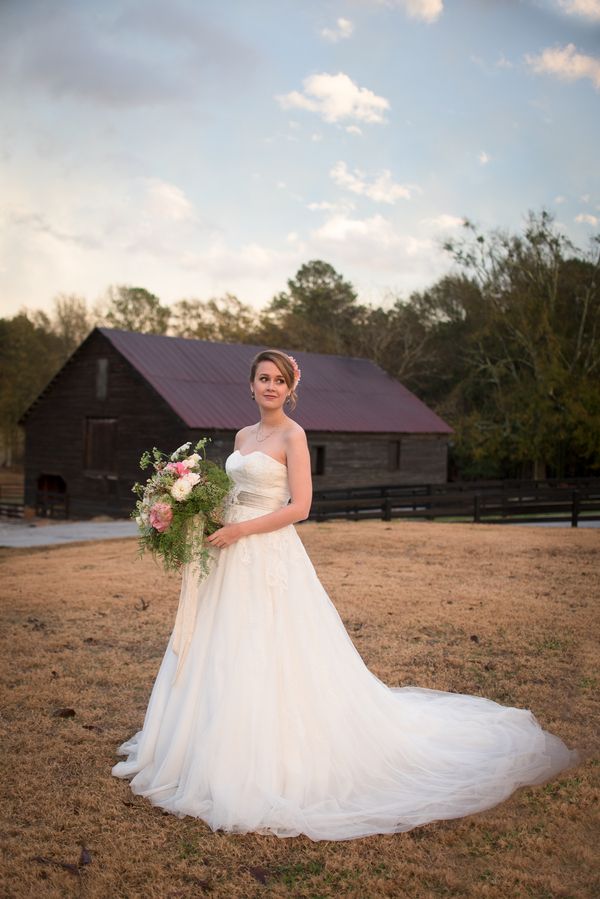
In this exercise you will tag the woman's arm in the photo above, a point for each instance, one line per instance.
(300, 483)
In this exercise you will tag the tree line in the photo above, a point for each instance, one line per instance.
(506, 348)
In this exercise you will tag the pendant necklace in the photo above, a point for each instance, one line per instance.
(262, 439)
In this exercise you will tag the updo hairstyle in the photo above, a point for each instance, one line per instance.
(282, 361)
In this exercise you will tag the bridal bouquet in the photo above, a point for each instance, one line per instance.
(179, 504)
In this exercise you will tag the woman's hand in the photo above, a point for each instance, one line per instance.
(225, 536)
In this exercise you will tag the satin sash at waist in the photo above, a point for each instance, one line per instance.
(257, 501)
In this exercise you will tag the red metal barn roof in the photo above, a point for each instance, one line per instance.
(206, 384)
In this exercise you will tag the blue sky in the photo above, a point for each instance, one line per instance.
(197, 147)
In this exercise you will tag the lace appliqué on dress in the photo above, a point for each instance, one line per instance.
(277, 564)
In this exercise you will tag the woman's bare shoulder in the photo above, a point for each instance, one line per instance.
(241, 434)
(295, 433)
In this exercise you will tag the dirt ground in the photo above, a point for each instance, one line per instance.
(510, 613)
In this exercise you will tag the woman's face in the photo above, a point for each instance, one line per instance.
(270, 389)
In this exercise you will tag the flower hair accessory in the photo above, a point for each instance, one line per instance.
(297, 371)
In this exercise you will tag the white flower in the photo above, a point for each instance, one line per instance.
(191, 460)
(181, 449)
(139, 521)
(192, 478)
(181, 489)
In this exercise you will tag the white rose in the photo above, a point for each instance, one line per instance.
(191, 460)
(181, 489)
(181, 449)
(192, 478)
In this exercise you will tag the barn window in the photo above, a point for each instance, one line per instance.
(100, 445)
(317, 459)
(101, 379)
(394, 455)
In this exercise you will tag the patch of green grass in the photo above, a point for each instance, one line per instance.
(564, 788)
(344, 875)
(504, 840)
(295, 874)
(299, 874)
(188, 849)
(551, 643)
(538, 892)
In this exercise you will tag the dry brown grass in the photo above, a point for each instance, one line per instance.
(505, 612)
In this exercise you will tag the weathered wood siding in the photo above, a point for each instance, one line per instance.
(353, 460)
(55, 430)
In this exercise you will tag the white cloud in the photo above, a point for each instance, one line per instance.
(167, 201)
(353, 129)
(484, 158)
(335, 98)
(340, 228)
(444, 222)
(343, 30)
(325, 206)
(586, 219)
(503, 63)
(381, 190)
(560, 199)
(221, 261)
(427, 10)
(374, 231)
(589, 9)
(373, 245)
(566, 63)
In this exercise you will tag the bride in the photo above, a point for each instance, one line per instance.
(263, 716)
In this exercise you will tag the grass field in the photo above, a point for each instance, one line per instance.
(510, 613)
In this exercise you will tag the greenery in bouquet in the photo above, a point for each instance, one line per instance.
(180, 504)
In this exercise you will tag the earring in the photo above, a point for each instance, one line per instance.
(252, 392)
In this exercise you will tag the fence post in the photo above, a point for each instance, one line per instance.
(387, 509)
(574, 508)
(476, 508)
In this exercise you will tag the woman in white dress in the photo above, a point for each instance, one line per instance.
(263, 716)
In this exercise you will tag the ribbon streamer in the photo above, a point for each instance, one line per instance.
(188, 603)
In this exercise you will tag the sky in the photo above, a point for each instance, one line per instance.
(199, 147)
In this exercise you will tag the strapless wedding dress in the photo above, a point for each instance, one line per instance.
(266, 718)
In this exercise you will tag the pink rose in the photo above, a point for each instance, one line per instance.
(161, 515)
(178, 467)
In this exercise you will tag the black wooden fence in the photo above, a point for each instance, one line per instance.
(11, 501)
(48, 503)
(491, 502)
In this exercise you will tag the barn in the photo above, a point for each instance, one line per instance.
(122, 392)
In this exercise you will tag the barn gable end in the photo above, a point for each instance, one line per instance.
(86, 431)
